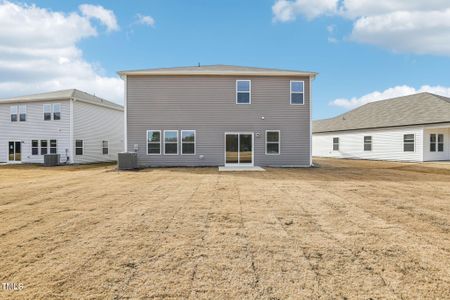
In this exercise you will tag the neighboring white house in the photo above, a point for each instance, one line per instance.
(410, 128)
(82, 128)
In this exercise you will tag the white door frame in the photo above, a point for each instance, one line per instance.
(238, 133)
(21, 152)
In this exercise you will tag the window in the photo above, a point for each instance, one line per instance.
(105, 148)
(367, 143)
(53, 147)
(408, 143)
(13, 111)
(47, 112)
(22, 113)
(440, 143)
(56, 111)
(433, 143)
(243, 92)
(34, 147)
(336, 144)
(297, 92)
(154, 142)
(44, 147)
(79, 147)
(272, 142)
(188, 142)
(171, 142)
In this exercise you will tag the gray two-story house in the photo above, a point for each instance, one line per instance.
(218, 116)
(80, 127)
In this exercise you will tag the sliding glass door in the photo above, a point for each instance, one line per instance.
(239, 149)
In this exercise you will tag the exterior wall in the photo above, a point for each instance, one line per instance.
(387, 144)
(207, 104)
(435, 156)
(94, 124)
(34, 128)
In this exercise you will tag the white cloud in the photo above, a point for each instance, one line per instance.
(413, 26)
(39, 53)
(146, 20)
(287, 10)
(394, 92)
(98, 12)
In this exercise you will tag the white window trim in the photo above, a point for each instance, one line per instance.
(43, 111)
(38, 148)
(53, 111)
(249, 91)
(82, 147)
(279, 142)
(443, 142)
(160, 142)
(103, 147)
(195, 142)
(364, 143)
(338, 143)
(50, 146)
(19, 113)
(435, 143)
(403, 143)
(164, 140)
(291, 92)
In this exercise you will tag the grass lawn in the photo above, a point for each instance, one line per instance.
(348, 229)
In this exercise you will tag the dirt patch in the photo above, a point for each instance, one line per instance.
(348, 229)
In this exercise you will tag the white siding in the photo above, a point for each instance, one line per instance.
(387, 144)
(434, 156)
(94, 124)
(34, 128)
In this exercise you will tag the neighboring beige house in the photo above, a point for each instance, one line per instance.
(82, 128)
(218, 116)
(411, 128)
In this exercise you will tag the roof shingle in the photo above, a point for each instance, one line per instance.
(418, 109)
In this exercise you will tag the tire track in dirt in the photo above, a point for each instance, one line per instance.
(363, 228)
(385, 209)
(121, 293)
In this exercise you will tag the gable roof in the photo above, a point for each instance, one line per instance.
(217, 70)
(418, 109)
(64, 95)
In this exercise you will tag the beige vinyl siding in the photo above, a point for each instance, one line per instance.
(34, 128)
(207, 104)
(94, 124)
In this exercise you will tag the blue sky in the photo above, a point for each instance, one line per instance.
(351, 60)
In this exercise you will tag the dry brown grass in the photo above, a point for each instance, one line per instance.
(348, 229)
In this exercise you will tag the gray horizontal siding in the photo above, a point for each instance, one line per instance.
(207, 105)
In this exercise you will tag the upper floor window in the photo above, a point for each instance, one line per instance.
(243, 92)
(13, 112)
(409, 143)
(154, 142)
(52, 110)
(171, 142)
(47, 112)
(22, 113)
(336, 144)
(56, 111)
(367, 143)
(188, 142)
(297, 92)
